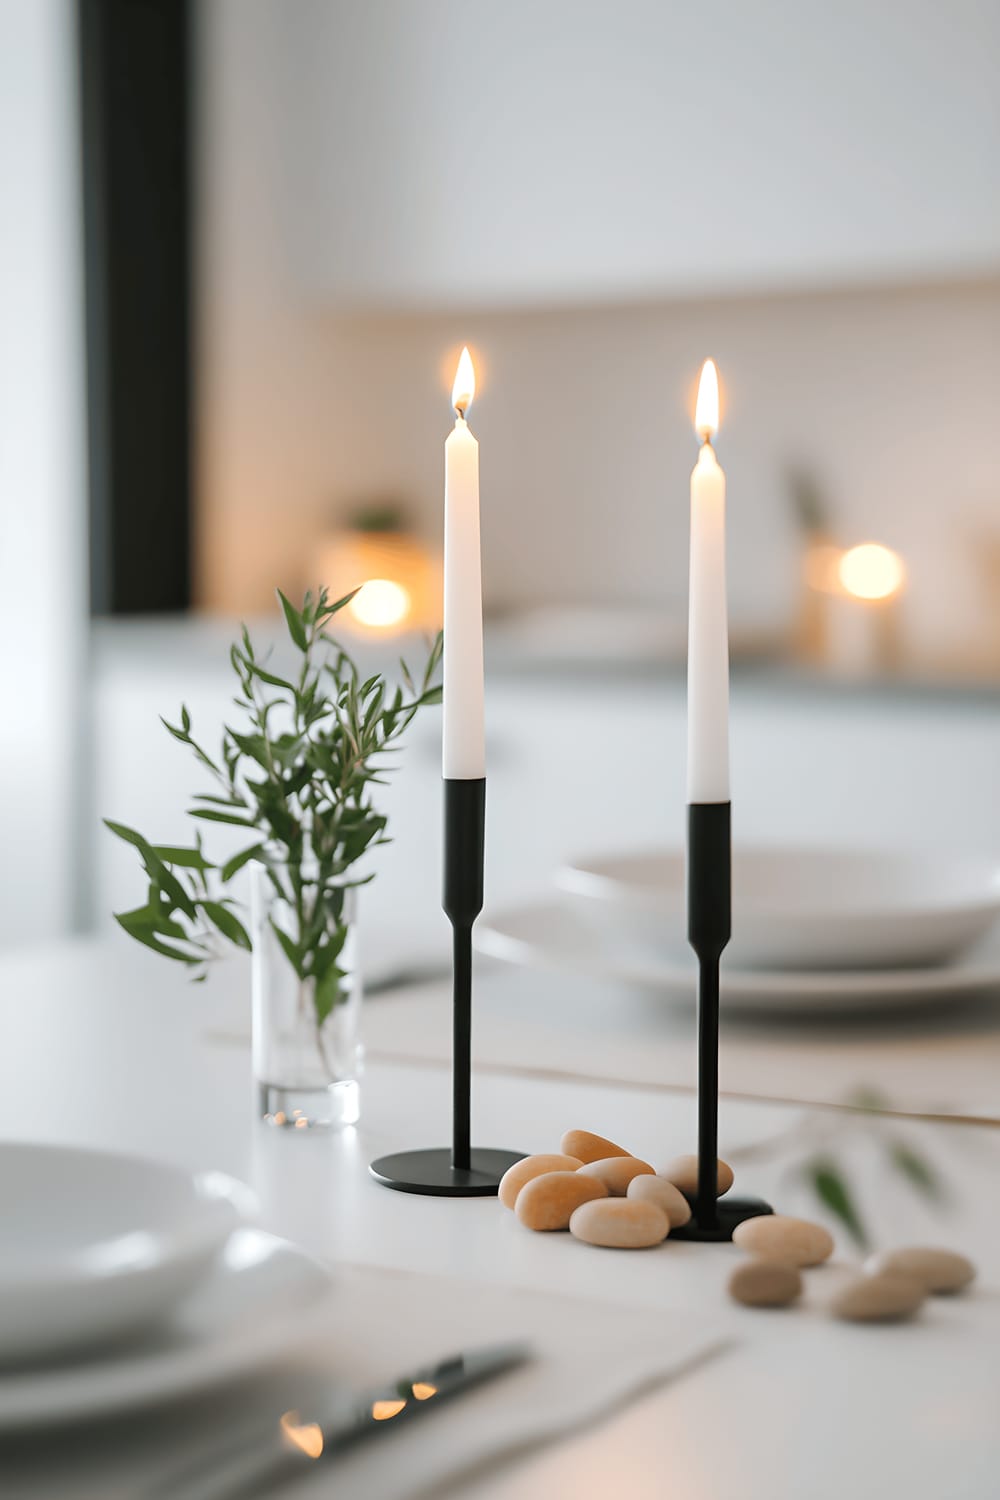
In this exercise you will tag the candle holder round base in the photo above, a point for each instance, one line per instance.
(431, 1173)
(729, 1212)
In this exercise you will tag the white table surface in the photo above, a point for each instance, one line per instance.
(104, 1045)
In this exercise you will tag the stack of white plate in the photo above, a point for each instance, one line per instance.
(126, 1283)
(813, 929)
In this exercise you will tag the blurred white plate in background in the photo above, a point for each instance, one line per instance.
(800, 908)
(557, 940)
(259, 1300)
(96, 1245)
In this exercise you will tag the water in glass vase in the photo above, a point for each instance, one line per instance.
(306, 988)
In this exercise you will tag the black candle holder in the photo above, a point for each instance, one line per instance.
(709, 897)
(462, 1171)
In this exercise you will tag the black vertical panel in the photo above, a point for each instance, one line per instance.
(135, 77)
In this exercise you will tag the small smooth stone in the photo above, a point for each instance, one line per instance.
(617, 1172)
(515, 1177)
(664, 1194)
(874, 1299)
(683, 1173)
(588, 1147)
(793, 1242)
(620, 1224)
(548, 1202)
(765, 1283)
(940, 1271)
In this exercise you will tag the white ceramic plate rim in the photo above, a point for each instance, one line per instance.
(501, 935)
(593, 877)
(218, 1204)
(113, 1385)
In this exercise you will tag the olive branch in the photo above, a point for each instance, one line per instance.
(298, 777)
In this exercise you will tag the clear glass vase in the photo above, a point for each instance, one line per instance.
(306, 1056)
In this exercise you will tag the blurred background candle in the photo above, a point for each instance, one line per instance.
(863, 611)
(399, 574)
(464, 753)
(708, 640)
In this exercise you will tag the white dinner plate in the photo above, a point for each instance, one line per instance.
(801, 908)
(260, 1299)
(96, 1245)
(557, 940)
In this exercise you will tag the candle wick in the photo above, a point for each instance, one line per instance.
(460, 410)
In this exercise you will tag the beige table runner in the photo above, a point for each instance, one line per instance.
(590, 1359)
(928, 1061)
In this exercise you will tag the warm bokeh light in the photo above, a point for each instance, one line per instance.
(383, 1410)
(306, 1436)
(464, 388)
(706, 412)
(380, 603)
(422, 1391)
(871, 571)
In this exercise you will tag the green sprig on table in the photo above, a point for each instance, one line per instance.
(297, 776)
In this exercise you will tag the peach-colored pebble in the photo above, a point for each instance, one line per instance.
(515, 1177)
(683, 1173)
(620, 1224)
(884, 1298)
(547, 1202)
(665, 1195)
(616, 1172)
(765, 1283)
(793, 1242)
(588, 1147)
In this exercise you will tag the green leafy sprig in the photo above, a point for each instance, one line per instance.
(298, 777)
(810, 1148)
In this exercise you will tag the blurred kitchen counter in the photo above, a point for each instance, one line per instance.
(582, 755)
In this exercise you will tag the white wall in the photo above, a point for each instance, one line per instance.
(889, 392)
(42, 470)
(553, 151)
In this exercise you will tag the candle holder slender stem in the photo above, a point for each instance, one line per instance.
(709, 888)
(461, 1172)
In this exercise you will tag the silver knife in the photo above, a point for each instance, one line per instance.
(298, 1440)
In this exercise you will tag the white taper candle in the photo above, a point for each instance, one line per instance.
(708, 633)
(463, 738)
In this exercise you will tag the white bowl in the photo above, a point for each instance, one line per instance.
(96, 1246)
(801, 908)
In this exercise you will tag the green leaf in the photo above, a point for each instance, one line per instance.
(143, 933)
(831, 1188)
(154, 866)
(253, 745)
(327, 993)
(216, 815)
(191, 859)
(290, 950)
(152, 918)
(338, 604)
(229, 925)
(237, 862)
(269, 677)
(916, 1169)
(296, 628)
(128, 834)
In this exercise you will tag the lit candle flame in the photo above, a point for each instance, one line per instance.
(424, 1391)
(464, 388)
(304, 1435)
(871, 571)
(706, 412)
